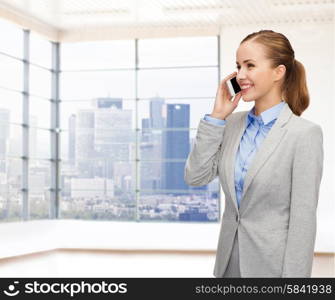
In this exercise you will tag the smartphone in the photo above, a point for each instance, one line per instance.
(233, 86)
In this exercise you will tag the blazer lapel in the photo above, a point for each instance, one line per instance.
(268, 145)
(238, 132)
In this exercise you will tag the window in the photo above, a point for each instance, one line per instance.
(124, 159)
(98, 138)
(11, 84)
(126, 127)
(39, 176)
(20, 162)
(176, 85)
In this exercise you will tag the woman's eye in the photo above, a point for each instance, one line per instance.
(238, 67)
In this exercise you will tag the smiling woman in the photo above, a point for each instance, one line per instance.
(274, 74)
(269, 224)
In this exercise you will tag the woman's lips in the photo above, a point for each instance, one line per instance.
(246, 90)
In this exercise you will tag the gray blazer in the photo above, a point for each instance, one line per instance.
(276, 221)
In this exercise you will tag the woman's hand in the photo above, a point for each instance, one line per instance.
(223, 105)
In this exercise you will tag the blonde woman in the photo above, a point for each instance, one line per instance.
(269, 161)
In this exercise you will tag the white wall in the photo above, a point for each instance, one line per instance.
(33, 236)
(313, 45)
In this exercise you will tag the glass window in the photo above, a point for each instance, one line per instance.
(193, 82)
(39, 143)
(98, 55)
(89, 85)
(98, 142)
(11, 139)
(39, 188)
(172, 113)
(40, 82)
(40, 112)
(11, 73)
(11, 39)
(40, 51)
(10, 106)
(181, 51)
(197, 205)
(98, 189)
(123, 109)
(10, 192)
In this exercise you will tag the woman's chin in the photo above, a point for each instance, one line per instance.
(247, 99)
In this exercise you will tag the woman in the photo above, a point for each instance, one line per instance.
(269, 161)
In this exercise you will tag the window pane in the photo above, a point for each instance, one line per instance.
(39, 112)
(167, 144)
(10, 189)
(10, 139)
(194, 82)
(10, 107)
(98, 55)
(87, 143)
(39, 185)
(11, 39)
(88, 85)
(11, 73)
(108, 193)
(181, 51)
(124, 111)
(157, 113)
(39, 143)
(40, 51)
(188, 206)
(40, 82)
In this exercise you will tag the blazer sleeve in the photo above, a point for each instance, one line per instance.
(306, 178)
(201, 166)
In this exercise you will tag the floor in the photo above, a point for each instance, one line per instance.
(92, 263)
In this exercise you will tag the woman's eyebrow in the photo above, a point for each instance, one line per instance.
(245, 61)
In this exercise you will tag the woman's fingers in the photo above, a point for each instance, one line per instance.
(229, 76)
(237, 98)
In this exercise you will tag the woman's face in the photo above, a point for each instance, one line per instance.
(255, 72)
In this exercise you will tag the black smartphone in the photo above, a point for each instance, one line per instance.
(233, 86)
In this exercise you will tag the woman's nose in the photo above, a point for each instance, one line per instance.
(240, 76)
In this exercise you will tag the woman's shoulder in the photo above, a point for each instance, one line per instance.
(302, 124)
(299, 126)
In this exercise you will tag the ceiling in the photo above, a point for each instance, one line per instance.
(61, 18)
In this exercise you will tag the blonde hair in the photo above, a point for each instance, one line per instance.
(279, 51)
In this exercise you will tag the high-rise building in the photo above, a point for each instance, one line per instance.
(107, 102)
(156, 112)
(4, 137)
(72, 140)
(151, 146)
(176, 146)
(85, 143)
(33, 124)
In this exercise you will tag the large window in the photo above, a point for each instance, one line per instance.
(25, 91)
(128, 126)
(39, 178)
(98, 137)
(127, 112)
(11, 86)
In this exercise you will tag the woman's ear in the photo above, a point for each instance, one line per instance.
(280, 72)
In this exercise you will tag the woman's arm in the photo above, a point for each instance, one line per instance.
(306, 179)
(202, 163)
